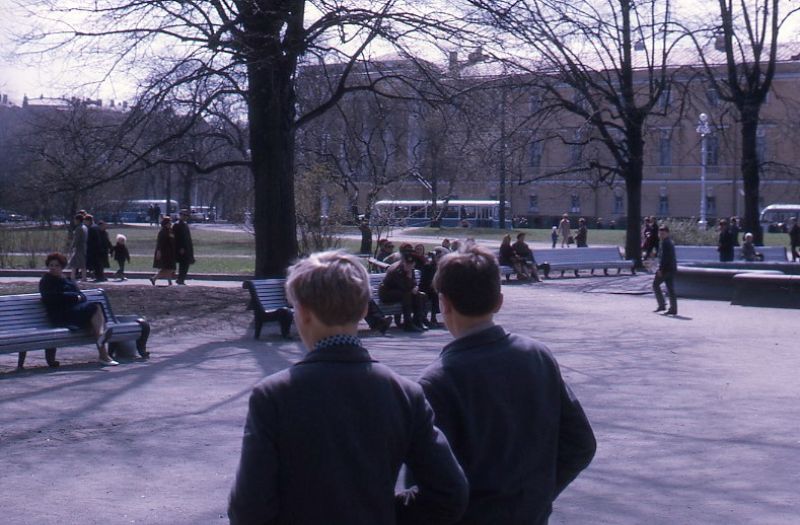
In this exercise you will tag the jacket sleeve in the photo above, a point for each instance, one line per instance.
(441, 492)
(254, 497)
(576, 441)
(54, 295)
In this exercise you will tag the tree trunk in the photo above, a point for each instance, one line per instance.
(633, 190)
(272, 140)
(750, 173)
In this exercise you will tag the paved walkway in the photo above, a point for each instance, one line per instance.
(696, 416)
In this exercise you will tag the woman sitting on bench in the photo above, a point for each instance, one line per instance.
(508, 257)
(67, 306)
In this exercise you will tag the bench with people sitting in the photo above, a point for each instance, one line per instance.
(575, 260)
(269, 303)
(25, 325)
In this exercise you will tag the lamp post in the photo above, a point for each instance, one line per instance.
(703, 129)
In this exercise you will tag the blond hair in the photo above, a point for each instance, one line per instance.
(334, 285)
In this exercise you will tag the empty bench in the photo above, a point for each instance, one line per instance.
(25, 326)
(268, 302)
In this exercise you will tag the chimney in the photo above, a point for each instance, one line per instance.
(111, 103)
(639, 45)
(5, 99)
(24, 101)
(476, 56)
(719, 43)
(124, 105)
(452, 63)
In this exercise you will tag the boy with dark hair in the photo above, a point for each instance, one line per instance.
(516, 428)
(324, 440)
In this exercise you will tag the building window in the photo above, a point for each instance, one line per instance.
(761, 146)
(665, 148)
(533, 203)
(576, 148)
(536, 154)
(663, 205)
(664, 99)
(575, 203)
(619, 204)
(712, 97)
(712, 150)
(711, 205)
(535, 103)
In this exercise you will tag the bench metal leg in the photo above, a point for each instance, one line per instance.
(21, 359)
(285, 318)
(141, 343)
(605, 271)
(259, 325)
(576, 273)
(50, 357)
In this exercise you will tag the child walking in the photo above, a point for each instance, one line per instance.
(554, 236)
(120, 253)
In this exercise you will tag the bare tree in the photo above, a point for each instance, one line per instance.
(747, 33)
(247, 50)
(605, 63)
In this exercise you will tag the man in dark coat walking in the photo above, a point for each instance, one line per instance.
(325, 439)
(184, 248)
(96, 251)
(516, 428)
(668, 265)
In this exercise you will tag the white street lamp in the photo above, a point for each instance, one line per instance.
(704, 130)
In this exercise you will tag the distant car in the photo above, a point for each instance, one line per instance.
(9, 216)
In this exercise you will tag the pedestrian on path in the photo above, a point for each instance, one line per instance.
(517, 430)
(121, 254)
(324, 440)
(565, 230)
(164, 258)
(77, 262)
(667, 266)
(184, 248)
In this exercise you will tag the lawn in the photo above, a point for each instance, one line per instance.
(232, 251)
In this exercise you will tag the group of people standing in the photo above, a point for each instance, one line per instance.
(91, 248)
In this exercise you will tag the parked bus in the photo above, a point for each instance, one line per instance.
(775, 217)
(135, 210)
(475, 213)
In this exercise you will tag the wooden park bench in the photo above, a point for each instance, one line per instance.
(268, 302)
(394, 309)
(24, 326)
(577, 259)
(686, 254)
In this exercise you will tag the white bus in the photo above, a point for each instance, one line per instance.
(458, 212)
(775, 216)
(135, 210)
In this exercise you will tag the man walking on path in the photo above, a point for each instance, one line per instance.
(667, 267)
(325, 439)
(184, 248)
(77, 262)
(517, 430)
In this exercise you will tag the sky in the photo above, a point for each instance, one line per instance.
(29, 74)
